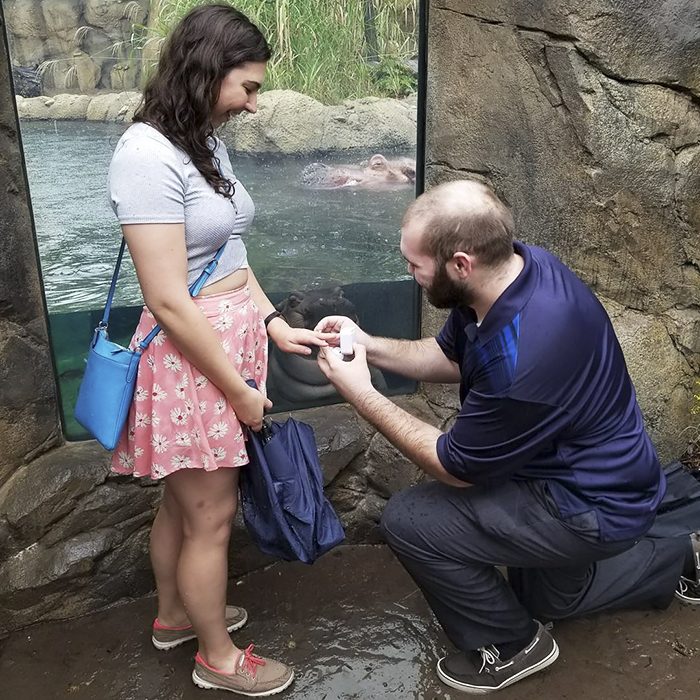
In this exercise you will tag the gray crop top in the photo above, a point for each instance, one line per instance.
(151, 181)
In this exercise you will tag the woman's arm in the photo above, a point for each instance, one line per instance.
(160, 258)
(286, 338)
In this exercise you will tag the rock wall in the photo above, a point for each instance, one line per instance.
(585, 116)
(83, 44)
(74, 539)
(28, 406)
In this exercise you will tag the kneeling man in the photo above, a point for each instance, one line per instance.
(547, 470)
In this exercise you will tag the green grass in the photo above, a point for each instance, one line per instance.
(319, 46)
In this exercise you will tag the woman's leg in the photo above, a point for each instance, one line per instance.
(207, 502)
(166, 544)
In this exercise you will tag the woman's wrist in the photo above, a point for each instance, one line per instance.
(237, 388)
(271, 317)
(275, 324)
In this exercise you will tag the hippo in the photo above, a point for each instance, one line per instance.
(377, 173)
(305, 309)
(298, 378)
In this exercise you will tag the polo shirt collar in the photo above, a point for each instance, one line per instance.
(511, 301)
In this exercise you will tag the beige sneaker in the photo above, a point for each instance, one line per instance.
(168, 637)
(254, 676)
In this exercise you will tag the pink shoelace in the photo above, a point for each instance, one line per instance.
(250, 662)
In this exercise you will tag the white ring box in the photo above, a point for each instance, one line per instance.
(347, 338)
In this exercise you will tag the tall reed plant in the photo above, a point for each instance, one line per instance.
(332, 50)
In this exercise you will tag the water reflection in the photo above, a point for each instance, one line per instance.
(384, 657)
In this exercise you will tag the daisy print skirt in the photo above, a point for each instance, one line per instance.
(178, 418)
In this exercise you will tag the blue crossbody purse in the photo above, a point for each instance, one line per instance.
(109, 381)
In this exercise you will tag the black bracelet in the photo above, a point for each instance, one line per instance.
(270, 317)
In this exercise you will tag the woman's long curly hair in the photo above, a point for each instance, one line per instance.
(179, 98)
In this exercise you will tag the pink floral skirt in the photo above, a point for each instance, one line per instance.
(178, 418)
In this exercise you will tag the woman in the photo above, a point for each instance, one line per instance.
(177, 200)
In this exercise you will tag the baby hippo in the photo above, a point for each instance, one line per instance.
(378, 173)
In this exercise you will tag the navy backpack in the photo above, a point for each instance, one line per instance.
(284, 507)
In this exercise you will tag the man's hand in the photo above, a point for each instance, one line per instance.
(350, 378)
(334, 324)
(416, 439)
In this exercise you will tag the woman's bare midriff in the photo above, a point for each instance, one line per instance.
(235, 280)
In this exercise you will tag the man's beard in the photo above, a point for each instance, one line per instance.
(445, 293)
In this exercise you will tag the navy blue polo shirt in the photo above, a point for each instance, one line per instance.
(546, 395)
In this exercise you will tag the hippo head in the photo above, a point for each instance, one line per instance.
(400, 170)
(305, 309)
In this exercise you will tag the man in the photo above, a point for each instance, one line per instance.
(547, 468)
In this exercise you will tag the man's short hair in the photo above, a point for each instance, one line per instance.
(464, 216)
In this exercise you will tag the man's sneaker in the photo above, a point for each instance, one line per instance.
(168, 637)
(484, 671)
(254, 676)
(688, 590)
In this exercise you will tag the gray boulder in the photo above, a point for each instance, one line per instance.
(292, 123)
(26, 81)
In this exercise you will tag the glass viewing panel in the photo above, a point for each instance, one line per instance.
(323, 241)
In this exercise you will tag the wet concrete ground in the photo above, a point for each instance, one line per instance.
(354, 627)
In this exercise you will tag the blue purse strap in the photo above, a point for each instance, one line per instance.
(194, 289)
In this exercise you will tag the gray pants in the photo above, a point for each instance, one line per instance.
(451, 540)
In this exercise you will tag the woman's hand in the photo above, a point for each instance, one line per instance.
(249, 407)
(296, 340)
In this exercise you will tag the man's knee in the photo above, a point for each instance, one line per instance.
(398, 523)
